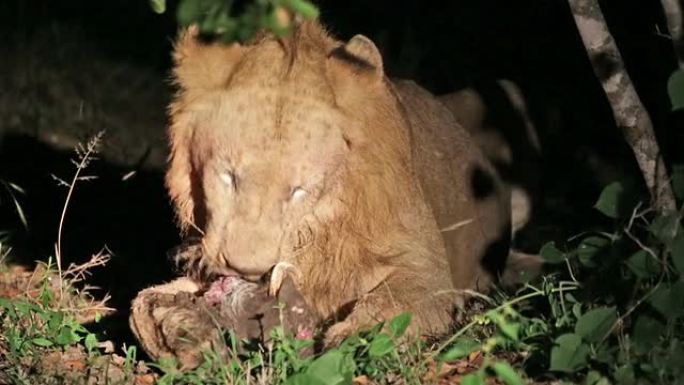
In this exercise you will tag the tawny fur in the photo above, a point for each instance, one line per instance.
(501, 126)
(497, 118)
(401, 213)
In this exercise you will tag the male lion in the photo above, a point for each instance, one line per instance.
(300, 152)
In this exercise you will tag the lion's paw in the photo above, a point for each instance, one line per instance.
(337, 333)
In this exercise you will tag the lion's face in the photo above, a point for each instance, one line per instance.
(269, 148)
(264, 168)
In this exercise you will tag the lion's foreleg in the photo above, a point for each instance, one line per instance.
(431, 308)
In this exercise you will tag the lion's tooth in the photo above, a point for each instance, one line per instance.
(280, 271)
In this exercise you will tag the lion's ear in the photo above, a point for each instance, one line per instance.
(358, 57)
(200, 65)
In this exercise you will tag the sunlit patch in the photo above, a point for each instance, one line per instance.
(298, 193)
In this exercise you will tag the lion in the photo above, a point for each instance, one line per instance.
(300, 152)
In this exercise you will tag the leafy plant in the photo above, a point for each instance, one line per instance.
(12, 191)
(626, 322)
(374, 354)
(220, 17)
(675, 88)
(32, 327)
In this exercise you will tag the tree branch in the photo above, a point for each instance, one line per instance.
(673, 15)
(629, 113)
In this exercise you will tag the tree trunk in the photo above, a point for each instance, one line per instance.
(628, 111)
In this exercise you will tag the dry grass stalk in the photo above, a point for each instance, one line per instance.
(84, 155)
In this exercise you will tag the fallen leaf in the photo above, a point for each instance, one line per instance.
(144, 379)
(108, 346)
(118, 360)
(75, 364)
(475, 358)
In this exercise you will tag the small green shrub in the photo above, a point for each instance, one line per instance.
(220, 18)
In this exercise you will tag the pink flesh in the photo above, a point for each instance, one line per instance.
(304, 334)
(219, 289)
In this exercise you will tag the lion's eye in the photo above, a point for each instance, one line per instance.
(228, 178)
(297, 194)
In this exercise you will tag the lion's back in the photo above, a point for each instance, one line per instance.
(469, 202)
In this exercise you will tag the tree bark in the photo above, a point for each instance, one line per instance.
(628, 110)
(673, 16)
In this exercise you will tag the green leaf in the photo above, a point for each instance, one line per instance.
(596, 323)
(90, 341)
(302, 7)
(646, 333)
(55, 322)
(6, 303)
(577, 310)
(669, 300)
(67, 336)
(589, 248)
(509, 329)
(40, 341)
(664, 227)
(675, 356)
(472, 379)
(609, 200)
(507, 374)
(550, 253)
(624, 375)
(190, 11)
(675, 88)
(303, 379)
(16, 187)
(158, 6)
(462, 348)
(399, 324)
(569, 354)
(132, 353)
(22, 308)
(678, 180)
(661, 301)
(592, 377)
(605, 353)
(677, 252)
(642, 264)
(381, 345)
(333, 368)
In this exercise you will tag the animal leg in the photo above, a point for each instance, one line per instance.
(431, 308)
(169, 323)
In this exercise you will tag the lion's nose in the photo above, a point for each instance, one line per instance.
(253, 274)
(246, 272)
(229, 271)
(253, 277)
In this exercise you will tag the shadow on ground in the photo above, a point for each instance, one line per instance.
(131, 217)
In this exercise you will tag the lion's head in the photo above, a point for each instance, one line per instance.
(270, 156)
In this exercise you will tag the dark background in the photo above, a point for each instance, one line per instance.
(71, 68)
